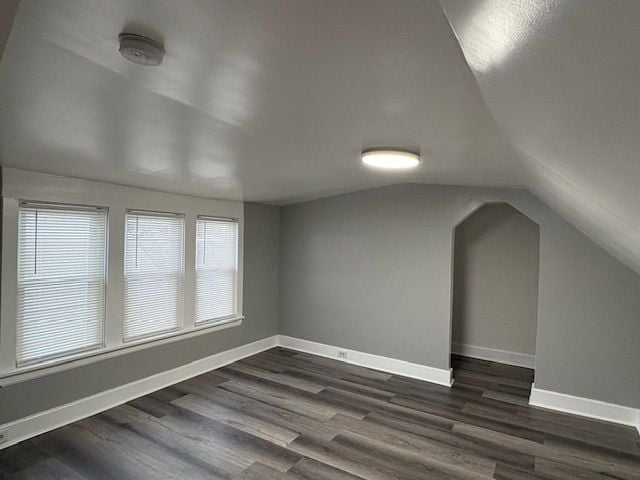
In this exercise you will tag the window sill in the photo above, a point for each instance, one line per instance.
(86, 358)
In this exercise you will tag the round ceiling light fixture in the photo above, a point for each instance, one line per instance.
(141, 50)
(390, 158)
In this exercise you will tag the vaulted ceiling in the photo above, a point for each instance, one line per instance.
(562, 81)
(272, 100)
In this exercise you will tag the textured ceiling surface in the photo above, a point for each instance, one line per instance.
(273, 100)
(7, 13)
(562, 81)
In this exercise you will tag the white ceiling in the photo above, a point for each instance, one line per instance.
(562, 81)
(263, 100)
(272, 100)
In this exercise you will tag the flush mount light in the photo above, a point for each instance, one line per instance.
(140, 50)
(390, 158)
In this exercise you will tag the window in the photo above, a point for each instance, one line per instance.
(61, 281)
(153, 270)
(216, 269)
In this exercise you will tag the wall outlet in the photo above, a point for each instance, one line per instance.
(342, 354)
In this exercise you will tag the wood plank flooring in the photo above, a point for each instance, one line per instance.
(289, 416)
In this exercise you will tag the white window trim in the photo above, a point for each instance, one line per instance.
(213, 321)
(181, 298)
(76, 208)
(44, 188)
(74, 361)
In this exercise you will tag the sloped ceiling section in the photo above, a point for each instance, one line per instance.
(7, 13)
(562, 81)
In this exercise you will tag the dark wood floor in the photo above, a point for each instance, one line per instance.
(286, 415)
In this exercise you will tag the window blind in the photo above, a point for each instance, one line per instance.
(216, 268)
(153, 274)
(61, 281)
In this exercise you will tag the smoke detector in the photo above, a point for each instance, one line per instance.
(140, 50)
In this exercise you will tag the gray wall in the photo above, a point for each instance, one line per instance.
(589, 321)
(495, 281)
(372, 271)
(261, 319)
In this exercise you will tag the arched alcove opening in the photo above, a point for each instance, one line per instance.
(495, 297)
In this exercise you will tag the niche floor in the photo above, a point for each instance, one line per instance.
(292, 416)
(497, 381)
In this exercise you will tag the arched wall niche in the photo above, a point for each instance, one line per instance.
(495, 262)
(520, 200)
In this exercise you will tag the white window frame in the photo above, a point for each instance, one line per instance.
(213, 321)
(43, 188)
(70, 208)
(181, 299)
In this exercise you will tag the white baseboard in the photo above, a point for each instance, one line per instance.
(41, 422)
(495, 355)
(585, 407)
(369, 360)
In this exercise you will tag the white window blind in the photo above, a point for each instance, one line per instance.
(153, 269)
(61, 281)
(216, 268)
